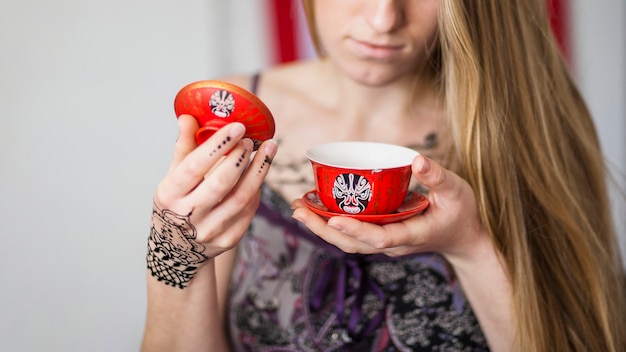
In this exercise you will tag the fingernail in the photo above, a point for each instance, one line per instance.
(237, 130)
(247, 143)
(336, 227)
(270, 147)
(423, 165)
(332, 225)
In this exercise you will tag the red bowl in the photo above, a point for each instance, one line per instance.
(361, 178)
(215, 104)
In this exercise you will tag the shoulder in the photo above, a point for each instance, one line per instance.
(289, 79)
(290, 91)
(243, 80)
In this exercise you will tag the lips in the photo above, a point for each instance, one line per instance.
(377, 51)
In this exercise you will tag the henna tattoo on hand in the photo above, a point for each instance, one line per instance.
(241, 158)
(173, 252)
(266, 162)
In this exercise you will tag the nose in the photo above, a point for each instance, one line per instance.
(385, 16)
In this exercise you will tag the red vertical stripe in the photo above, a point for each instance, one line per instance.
(284, 29)
(560, 20)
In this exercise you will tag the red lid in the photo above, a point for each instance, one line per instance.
(215, 104)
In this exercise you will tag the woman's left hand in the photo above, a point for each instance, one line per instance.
(450, 225)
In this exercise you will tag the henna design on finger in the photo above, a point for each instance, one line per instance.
(219, 146)
(266, 162)
(241, 158)
(173, 252)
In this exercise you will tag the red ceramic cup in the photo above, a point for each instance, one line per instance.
(364, 178)
(215, 104)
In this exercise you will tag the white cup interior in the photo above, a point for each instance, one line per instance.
(362, 155)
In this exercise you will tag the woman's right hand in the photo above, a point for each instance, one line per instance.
(206, 201)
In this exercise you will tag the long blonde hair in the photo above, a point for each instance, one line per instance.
(531, 153)
(529, 149)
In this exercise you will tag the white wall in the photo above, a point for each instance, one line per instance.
(86, 132)
(600, 66)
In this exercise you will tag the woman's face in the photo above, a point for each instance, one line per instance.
(376, 42)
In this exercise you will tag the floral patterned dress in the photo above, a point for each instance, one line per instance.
(291, 291)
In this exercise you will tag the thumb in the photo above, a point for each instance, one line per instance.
(444, 186)
(429, 173)
(186, 141)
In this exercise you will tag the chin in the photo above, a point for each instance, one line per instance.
(377, 79)
(377, 74)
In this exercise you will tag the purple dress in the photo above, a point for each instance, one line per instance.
(291, 291)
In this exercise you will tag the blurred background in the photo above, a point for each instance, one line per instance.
(87, 129)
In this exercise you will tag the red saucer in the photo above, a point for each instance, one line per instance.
(414, 204)
(215, 104)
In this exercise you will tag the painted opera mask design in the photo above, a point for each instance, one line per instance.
(222, 103)
(352, 193)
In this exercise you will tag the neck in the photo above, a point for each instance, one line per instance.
(401, 99)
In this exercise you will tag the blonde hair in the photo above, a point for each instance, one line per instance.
(530, 151)
(528, 147)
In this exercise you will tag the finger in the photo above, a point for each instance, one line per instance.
(249, 184)
(223, 176)
(258, 168)
(341, 231)
(236, 209)
(223, 227)
(320, 227)
(192, 169)
(428, 172)
(297, 203)
(374, 236)
(186, 141)
(442, 184)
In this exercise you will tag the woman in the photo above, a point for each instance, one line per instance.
(515, 252)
